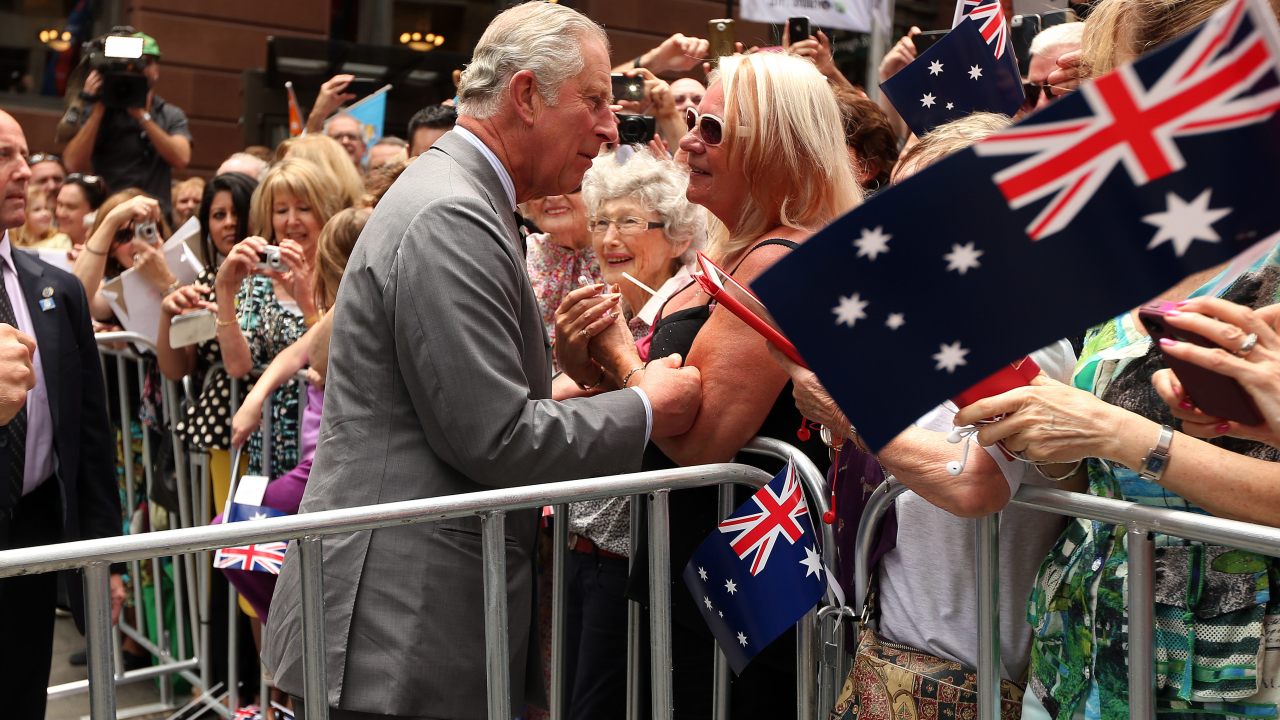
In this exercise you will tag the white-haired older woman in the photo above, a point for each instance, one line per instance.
(642, 225)
(767, 158)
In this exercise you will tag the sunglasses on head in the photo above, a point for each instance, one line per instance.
(43, 157)
(86, 179)
(1033, 90)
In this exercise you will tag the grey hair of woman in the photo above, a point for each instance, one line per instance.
(658, 185)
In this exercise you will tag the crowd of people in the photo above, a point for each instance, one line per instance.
(508, 297)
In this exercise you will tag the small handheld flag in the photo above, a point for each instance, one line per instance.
(262, 557)
(371, 112)
(295, 114)
(1121, 187)
(760, 572)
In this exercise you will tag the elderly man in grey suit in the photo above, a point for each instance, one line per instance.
(439, 383)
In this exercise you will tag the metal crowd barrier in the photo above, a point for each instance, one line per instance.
(96, 556)
(1139, 521)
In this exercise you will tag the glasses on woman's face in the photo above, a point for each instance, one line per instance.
(630, 225)
(709, 126)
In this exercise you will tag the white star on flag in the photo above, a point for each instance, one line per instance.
(975, 72)
(730, 586)
(702, 574)
(935, 67)
(742, 639)
(895, 321)
(951, 106)
(873, 242)
(963, 258)
(812, 562)
(259, 516)
(1185, 222)
(706, 601)
(950, 356)
(927, 100)
(851, 309)
(720, 612)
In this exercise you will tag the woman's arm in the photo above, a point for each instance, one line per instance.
(90, 266)
(318, 350)
(1049, 421)
(240, 264)
(280, 371)
(177, 363)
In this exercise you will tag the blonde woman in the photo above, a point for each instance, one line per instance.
(262, 311)
(767, 158)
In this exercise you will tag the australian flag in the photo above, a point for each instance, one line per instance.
(1086, 209)
(262, 557)
(955, 77)
(760, 573)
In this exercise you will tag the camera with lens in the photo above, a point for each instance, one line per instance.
(118, 58)
(147, 233)
(636, 129)
(269, 259)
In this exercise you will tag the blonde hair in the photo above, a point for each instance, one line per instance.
(949, 138)
(542, 37)
(1118, 31)
(327, 153)
(304, 180)
(333, 249)
(784, 130)
(23, 236)
(191, 183)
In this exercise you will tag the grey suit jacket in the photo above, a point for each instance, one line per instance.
(439, 379)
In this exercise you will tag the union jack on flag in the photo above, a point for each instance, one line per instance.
(775, 516)
(263, 557)
(1132, 123)
(1159, 169)
(990, 19)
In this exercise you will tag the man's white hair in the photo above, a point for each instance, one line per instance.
(1067, 35)
(545, 38)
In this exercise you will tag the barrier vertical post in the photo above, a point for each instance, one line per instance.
(988, 561)
(102, 686)
(720, 700)
(497, 650)
(633, 618)
(311, 555)
(806, 669)
(660, 604)
(559, 595)
(1141, 622)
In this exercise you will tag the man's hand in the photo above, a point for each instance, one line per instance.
(16, 375)
(677, 53)
(137, 112)
(331, 97)
(675, 393)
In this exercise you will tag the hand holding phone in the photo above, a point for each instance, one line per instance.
(798, 28)
(721, 36)
(927, 39)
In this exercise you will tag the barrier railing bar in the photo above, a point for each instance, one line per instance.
(633, 618)
(497, 650)
(663, 699)
(559, 595)
(314, 651)
(720, 696)
(987, 547)
(65, 556)
(806, 666)
(102, 687)
(1142, 677)
(881, 499)
(77, 687)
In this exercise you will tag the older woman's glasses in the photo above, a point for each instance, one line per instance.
(709, 126)
(625, 225)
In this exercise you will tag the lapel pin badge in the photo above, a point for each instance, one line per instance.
(47, 292)
(47, 303)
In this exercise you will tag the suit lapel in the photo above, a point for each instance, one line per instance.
(466, 155)
(35, 284)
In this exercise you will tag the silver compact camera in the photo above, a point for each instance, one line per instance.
(269, 259)
(147, 233)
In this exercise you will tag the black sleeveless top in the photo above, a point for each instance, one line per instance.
(694, 513)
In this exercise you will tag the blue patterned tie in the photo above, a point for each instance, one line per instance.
(13, 437)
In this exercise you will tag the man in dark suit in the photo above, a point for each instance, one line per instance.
(57, 461)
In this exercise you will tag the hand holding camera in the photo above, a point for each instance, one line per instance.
(241, 262)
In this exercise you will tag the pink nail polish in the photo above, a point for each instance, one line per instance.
(1172, 313)
(1185, 405)
(1167, 342)
(1223, 427)
(1181, 303)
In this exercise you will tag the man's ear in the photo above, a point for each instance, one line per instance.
(522, 92)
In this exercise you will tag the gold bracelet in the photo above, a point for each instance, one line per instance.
(229, 323)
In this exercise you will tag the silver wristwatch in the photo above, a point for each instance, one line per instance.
(1157, 459)
(146, 117)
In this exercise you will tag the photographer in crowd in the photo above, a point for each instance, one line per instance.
(131, 141)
